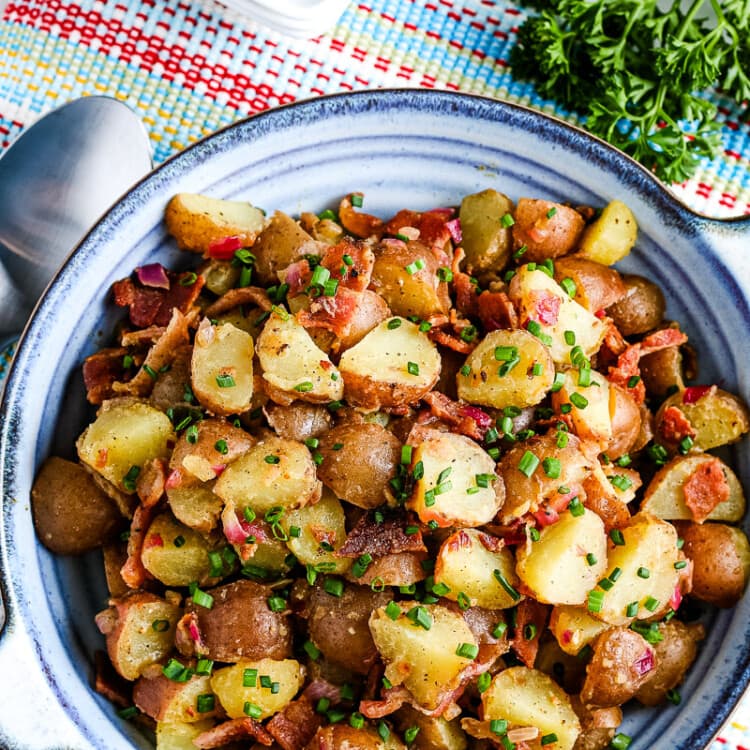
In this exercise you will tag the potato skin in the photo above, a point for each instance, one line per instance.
(240, 625)
(721, 561)
(662, 371)
(71, 514)
(166, 700)
(618, 668)
(626, 422)
(338, 625)
(298, 420)
(281, 242)
(641, 309)
(674, 655)
(486, 241)
(344, 737)
(597, 286)
(359, 471)
(548, 229)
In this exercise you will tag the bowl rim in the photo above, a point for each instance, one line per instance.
(631, 169)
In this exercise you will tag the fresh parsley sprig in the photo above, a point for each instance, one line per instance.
(638, 72)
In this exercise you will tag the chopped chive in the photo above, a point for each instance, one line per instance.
(620, 741)
(465, 370)
(253, 711)
(503, 581)
(621, 482)
(178, 541)
(393, 610)
(202, 599)
(357, 720)
(383, 731)
(173, 670)
(311, 650)
(617, 538)
(651, 604)
(570, 338)
(506, 353)
(440, 589)
(128, 481)
(418, 471)
(303, 387)
(334, 586)
(605, 584)
(595, 601)
(463, 601)
(674, 697)
(643, 573)
(548, 739)
(128, 713)
(534, 534)
(528, 463)
(222, 447)
(499, 630)
(591, 558)
(445, 274)
(412, 368)
(271, 459)
(205, 703)
(516, 255)
(569, 286)
(685, 445)
(615, 574)
(225, 381)
(507, 220)
(150, 372)
(558, 382)
(551, 212)
(552, 467)
(576, 507)
(680, 564)
(579, 401)
(632, 609)
(276, 603)
(498, 726)
(357, 199)
(467, 650)
(420, 616)
(529, 631)
(394, 323)
(204, 667)
(483, 682)
(468, 334)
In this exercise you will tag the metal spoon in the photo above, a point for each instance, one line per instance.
(56, 180)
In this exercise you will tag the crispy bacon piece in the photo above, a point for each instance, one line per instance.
(231, 731)
(161, 354)
(151, 482)
(297, 276)
(390, 701)
(378, 539)
(450, 341)
(706, 488)
(675, 426)
(149, 306)
(142, 336)
(628, 361)
(355, 275)
(531, 620)
(100, 371)
(466, 420)
(246, 295)
(188, 638)
(359, 224)
(335, 314)
(133, 572)
(431, 229)
(496, 311)
(295, 725)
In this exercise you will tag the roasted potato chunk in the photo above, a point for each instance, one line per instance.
(221, 370)
(508, 368)
(245, 682)
(174, 553)
(546, 229)
(359, 460)
(405, 275)
(423, 660)
(273, 472)
(125, 435)
(645, 554)
(395, 364)
(486, 241)
(139, 629)
(344, 736)
(622, 662)
(196, 221)
(434, 732)
(529, 698)
(675, 652)
(641, 309)
(721, 561)
(574, 627)
(665, 494)
(298, 420)
(611, 236)
(71, 514)
(338, 625)
(472, 564)
(567, 560)
(241, 625)
(169, 700)
(293, 366)
(456, 484)
(179, 735)
(280, 243)
(596, 286)
(544, 306)
(587, 397)
(714, 417)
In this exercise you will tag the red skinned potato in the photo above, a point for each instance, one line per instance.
(71, 514)
(139, 629)
(626, 422)
(547, 229)
(358, 462)
(674, 655)
(622, 662)
(338, 625)
(345, 737)
(641, 309)
(241, 625)
(298, 420)
(721, 561)
(597, 286)
(164, 699)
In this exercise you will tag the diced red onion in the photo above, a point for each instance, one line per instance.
(153, 275)
(225, 247)
(484, 421)
(174, 480)
(676, 598)
(546, 516)
(567, 636)
(644, 664)
(153, 540)
(694, 393)
(454, 227)
(218, 469)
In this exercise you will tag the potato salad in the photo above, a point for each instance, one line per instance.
(436, 480)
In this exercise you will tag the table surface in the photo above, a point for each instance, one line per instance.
(189, 68)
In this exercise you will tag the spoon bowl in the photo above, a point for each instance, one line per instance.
(56, 180)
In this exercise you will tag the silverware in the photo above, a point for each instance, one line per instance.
(56, 180)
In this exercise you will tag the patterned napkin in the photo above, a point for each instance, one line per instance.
(189, 68)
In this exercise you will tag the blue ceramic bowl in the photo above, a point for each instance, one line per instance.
(415, 149)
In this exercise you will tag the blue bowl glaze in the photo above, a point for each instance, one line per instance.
(411, 148)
